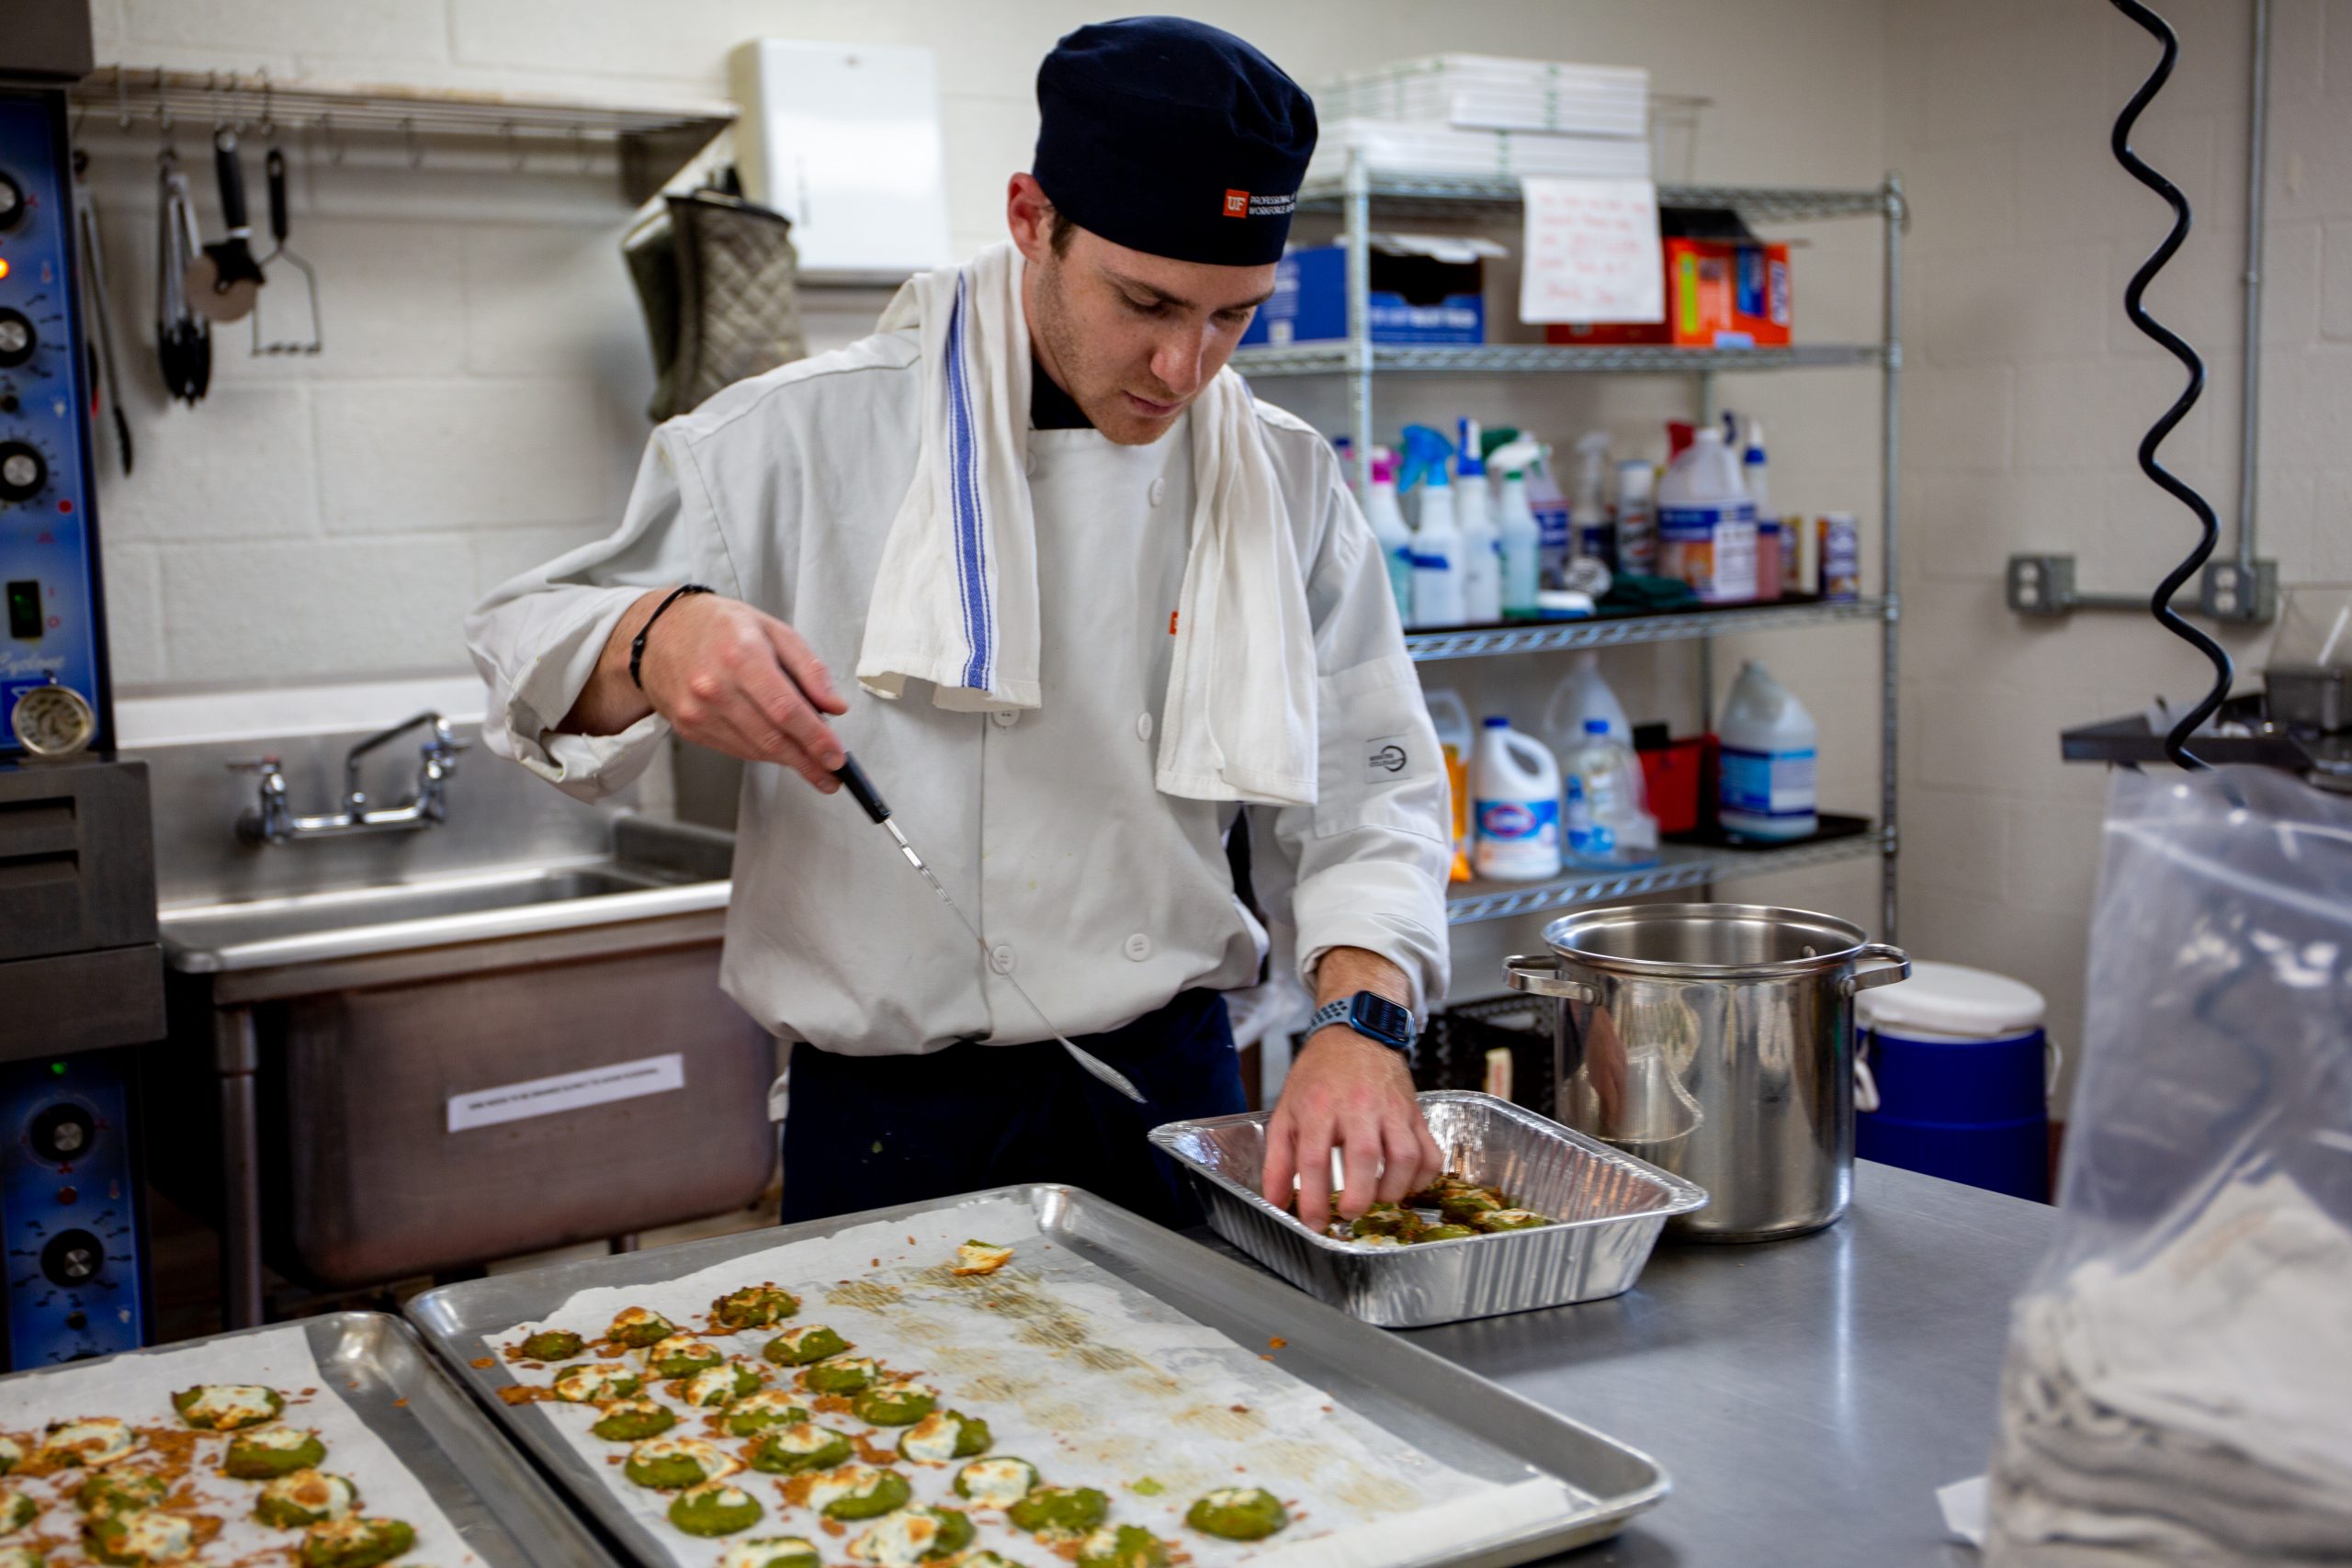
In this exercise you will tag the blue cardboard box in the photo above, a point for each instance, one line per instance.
(1426, 290)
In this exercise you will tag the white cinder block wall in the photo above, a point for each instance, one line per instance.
(2028, 392)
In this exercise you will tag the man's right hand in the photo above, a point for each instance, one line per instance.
(726, 677)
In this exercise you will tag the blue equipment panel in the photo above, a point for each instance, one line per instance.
(48, 567)
(68, 1198)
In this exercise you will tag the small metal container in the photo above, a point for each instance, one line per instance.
(1717, 1041)
(1611, 1208)
(2308, 696)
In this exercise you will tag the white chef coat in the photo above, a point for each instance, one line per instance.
(1104, 897)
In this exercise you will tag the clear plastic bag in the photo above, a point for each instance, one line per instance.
(2178, 1383)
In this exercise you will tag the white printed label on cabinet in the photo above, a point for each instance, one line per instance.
(567, 1091)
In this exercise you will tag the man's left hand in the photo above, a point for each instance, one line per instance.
(1355, 1095)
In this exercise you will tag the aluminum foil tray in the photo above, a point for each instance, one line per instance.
(1610, 1207)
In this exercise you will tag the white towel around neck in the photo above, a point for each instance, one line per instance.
(955, 599)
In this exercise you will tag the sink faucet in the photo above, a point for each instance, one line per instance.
(272, 820)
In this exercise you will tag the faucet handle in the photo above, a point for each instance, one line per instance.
(264, 764)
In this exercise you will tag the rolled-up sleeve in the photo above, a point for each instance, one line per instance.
(536, 639)
(1370, 857)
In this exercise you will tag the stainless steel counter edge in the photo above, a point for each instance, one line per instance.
(399, 936)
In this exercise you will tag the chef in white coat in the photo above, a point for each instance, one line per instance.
(1100, 606)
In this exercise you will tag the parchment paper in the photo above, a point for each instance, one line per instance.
(1091, 1381)
(138, 1390)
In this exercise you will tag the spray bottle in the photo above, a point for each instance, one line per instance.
(1556, 539)
(1437, 543)
(1482, 546)
(1596, 531)
(1387, 520)
(1516, 534)
(1636, 515)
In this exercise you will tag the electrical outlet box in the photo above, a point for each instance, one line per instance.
(2231, 592)
(2042, 585)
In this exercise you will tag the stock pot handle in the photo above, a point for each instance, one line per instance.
(1897, 961)
(1539, 973)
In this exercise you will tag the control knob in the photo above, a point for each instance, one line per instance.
(12, 203)
(63, 1133)
(73, 1258)
(18, 339)
(23, 470)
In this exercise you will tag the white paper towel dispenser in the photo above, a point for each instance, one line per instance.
(844, 139)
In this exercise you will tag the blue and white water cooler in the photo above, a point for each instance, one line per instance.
(1955, 1079)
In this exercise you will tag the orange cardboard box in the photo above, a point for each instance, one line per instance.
(1719, 294)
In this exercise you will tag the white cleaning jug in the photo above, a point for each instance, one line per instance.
(1768, 769)
(1516, 787)
(1482, 546)
(1437, 557)
(1706, 523)
(1609, 822)
(1582, 694)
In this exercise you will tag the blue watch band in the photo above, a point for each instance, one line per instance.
(1371, 1015)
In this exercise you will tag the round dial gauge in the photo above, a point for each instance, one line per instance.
(53, 721)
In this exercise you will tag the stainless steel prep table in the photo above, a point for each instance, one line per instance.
(1807, 1395)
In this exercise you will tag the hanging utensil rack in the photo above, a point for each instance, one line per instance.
(649, 141)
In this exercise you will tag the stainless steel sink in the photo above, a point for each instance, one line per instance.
(653, 872)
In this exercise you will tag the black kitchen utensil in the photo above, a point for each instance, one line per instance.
(224, 281)
(183, 341)
(103, 375)
(310, 342)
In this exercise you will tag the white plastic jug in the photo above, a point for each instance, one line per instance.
(1607, 818)
(1516, 787)
(1706, 521)
(1582, 693)
(1437, 559)
(1767, 777)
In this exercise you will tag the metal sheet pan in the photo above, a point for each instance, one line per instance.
(507, 1513)
(1610, 1207)
(1420, 1398)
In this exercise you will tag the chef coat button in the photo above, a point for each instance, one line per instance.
(1029, 464)
(1138, 947)
(1143, 727)
(1158, 491)
(1006, 717)
(1000, 958)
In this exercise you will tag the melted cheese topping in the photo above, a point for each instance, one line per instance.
(755, 1554)
(12, 1453)
(849, 1481)
(895, 1388)
(284, 1440)
(155, 1536)
(231, 1405)
(100, 1440)
(933, 1437)
(767, 1401)
(1231, 1497)
(591, 1382)
(329, 1496)
(714, 1460)
(998, 1483)
(864, 1365)
(681, 1345)
(897, 1540)
(981, 1257)
(804, 1439)
(17, 1510)
(20, 1556)
(1102, 1544)
(1511, 1216)
(719, 1493)
(793, 1338)
(634, 1317)
(712, 1385)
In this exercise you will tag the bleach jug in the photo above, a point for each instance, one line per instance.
(1706, 523)
(1516, 787)
(1583, 693)
(1768, 760)
(1608, 824)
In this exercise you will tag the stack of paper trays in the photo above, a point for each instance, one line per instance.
(1484, 92)
(1425, 147)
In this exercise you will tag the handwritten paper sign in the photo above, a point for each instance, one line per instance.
(1591, 252)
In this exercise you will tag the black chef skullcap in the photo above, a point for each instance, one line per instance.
(1173, 138)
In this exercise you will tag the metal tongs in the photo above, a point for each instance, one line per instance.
(182, 340)
(853, 778)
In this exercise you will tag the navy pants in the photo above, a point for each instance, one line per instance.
(869, 1131)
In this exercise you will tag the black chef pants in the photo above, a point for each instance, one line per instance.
(870, 1132)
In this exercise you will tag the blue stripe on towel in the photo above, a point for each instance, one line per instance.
(964, 493)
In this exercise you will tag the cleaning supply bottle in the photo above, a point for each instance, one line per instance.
(1767, 774)
(1387, 520)
(1455, 738)
(1636, 516)
(1771, 540)
(1516, 786)
(1595, 533)
(1706, 524)
(1754, 472)
(1581, 696)
(1482, 546)
(1437, 543)
(1608, 824)
(1557, 540)
(1516, 534)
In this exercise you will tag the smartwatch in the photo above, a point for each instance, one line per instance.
(1371, 1015)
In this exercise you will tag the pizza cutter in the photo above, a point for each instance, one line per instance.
(224, 281)
(853, 778)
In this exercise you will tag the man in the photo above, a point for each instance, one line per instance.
(1115, 604)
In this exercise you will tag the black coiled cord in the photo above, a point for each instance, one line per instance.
(2176, 743)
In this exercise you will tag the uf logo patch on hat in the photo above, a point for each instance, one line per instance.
(1236, 204)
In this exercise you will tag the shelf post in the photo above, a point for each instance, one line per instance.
(1894, 214)
(1357, 199)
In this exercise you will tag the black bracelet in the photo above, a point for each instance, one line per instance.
(637, 643)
